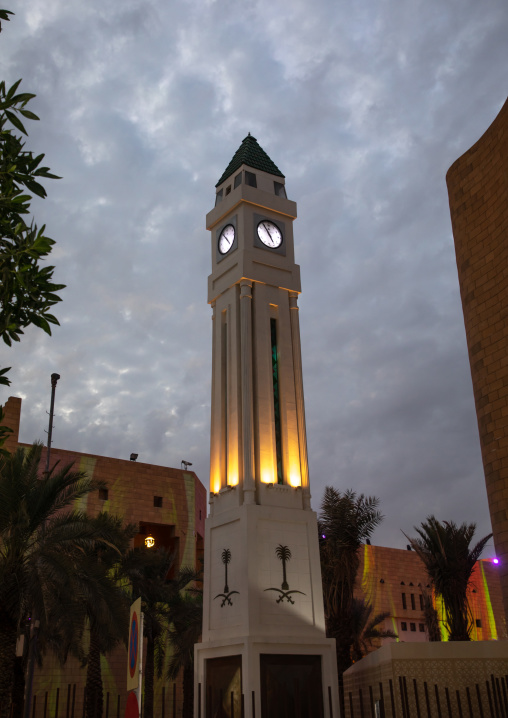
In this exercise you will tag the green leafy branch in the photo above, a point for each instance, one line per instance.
(27, 290)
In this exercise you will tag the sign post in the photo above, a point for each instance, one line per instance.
(135, 661)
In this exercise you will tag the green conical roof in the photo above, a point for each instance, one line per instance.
(251, 154)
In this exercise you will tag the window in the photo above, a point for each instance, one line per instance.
(403, 626)
(478, 623)
(421, 626)
(103, 494)
(404, 604)
(200, 514)
(413, 604)
(250, 179)
(279, 189)
(157, 502)
(238, 180)
(421, 602)
(228, 190)
(218, 197)
(412, 626)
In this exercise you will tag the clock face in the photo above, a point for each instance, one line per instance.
(226, 239)
(269, 234)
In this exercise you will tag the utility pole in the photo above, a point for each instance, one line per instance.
(34, 622)
(54, 378)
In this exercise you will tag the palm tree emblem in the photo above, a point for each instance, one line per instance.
(226, 596)
(283, 553)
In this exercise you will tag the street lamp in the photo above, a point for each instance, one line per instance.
(54, 378)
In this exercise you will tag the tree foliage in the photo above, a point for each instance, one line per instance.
(186, 611)
(366, 628)
(444, 548)
(42, 541)
(345, 522)
(103, 603)
(27, 290)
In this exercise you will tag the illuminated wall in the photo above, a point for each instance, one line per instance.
(478, 194)
(393, 579)
(169, 504)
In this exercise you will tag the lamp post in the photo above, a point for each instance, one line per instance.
(54, 378)
(35, 623)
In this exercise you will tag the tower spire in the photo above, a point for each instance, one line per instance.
(250, 153)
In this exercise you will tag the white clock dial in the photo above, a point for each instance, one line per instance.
(226, 239)
(269, 234)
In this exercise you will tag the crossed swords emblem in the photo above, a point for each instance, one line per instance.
(226, 596)
(284, 555)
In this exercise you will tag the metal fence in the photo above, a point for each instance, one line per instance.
(409, 698)
(68, 702)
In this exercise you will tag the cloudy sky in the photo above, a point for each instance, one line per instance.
(363, 104)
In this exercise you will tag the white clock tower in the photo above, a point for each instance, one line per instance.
(264, 652)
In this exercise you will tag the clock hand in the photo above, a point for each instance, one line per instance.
(268, 233)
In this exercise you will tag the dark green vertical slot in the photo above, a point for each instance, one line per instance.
(224, 383)
(276, 400)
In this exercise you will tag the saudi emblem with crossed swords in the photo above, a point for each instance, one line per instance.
(284, 554)
(226, 596)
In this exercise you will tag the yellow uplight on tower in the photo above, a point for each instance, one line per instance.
(267, 475)
(295, 479)
(233, 471)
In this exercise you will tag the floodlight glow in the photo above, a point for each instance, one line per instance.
(495, 560)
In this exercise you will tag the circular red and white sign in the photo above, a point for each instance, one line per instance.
(133, 645)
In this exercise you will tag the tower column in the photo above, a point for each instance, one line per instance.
(300, 405)
(249, 486)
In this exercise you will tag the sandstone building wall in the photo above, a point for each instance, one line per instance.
(169, 504)
(393, 580)
(478, 195)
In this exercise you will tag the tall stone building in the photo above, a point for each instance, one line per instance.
(478, 193)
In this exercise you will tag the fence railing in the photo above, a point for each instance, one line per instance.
(68, 702)
(407, 697)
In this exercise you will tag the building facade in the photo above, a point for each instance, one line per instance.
(165, 503)
(478, 194)
(394, 582)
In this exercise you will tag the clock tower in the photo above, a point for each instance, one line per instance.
(264, 652)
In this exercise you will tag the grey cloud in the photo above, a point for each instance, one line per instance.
(363, 107)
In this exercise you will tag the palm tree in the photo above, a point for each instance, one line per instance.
(226, 559)
(366, 629)
(41, 542)
(186, 610)
(283, 553)
(147, 571)
(444, 548)
(104, 603)
(345, 522)
(431, 617)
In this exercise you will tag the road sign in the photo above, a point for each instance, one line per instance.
(131, 707)
(135, 646)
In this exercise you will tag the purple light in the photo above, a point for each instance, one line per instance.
(323, 536)
(495, 560)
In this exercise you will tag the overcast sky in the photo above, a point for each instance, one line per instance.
(363, 105)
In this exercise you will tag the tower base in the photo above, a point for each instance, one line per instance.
(266, 677)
